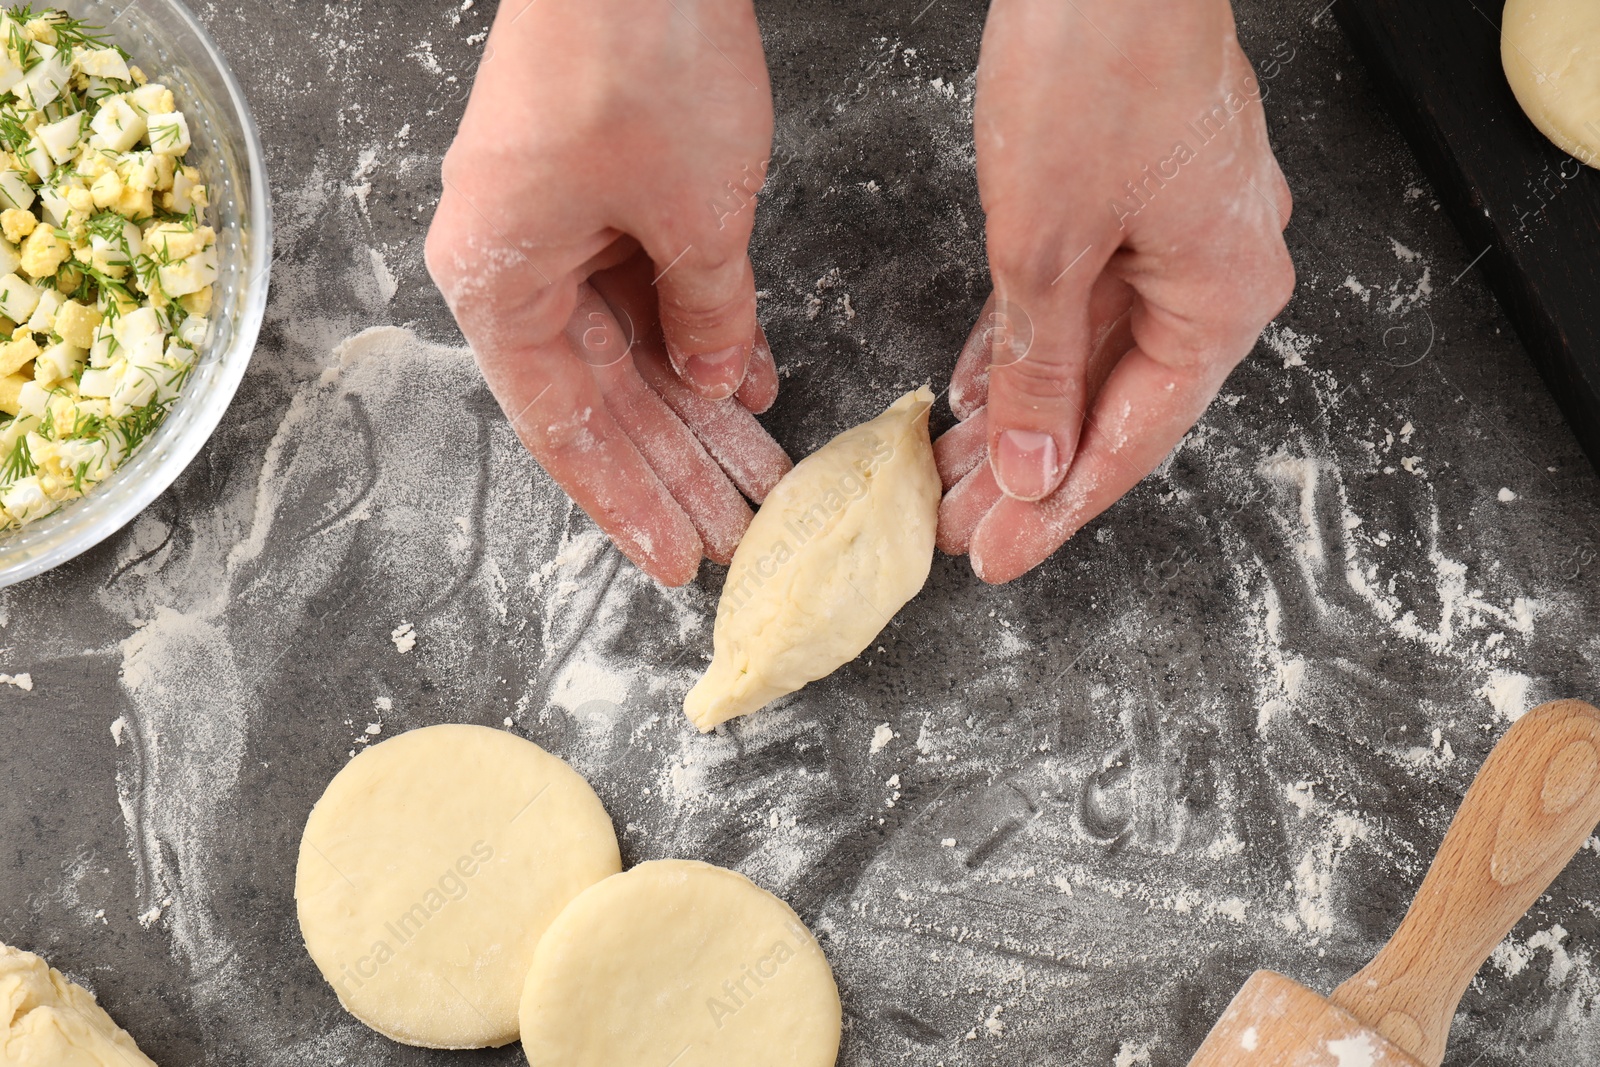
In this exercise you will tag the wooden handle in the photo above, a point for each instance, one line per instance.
(1533, 805)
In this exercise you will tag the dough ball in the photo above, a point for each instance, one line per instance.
(50, 1021)
(842, 542)
(430, 868)
(679, 963)
(1551, 52)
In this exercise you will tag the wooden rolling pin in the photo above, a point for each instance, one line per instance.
(1532, 807)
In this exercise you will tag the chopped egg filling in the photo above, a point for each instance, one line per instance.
(106, 266)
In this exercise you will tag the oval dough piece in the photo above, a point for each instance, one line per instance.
(50, 1020)
(429, 870)
(1551, 52)
(679, 963)
(842, 542)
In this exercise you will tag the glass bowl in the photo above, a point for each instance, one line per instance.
(165, 39)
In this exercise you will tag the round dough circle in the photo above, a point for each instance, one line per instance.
(679, 963)
(429, 870)
(1551, 52)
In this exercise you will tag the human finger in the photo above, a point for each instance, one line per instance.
(719, 514)
(727, 429)
(708, 315)
(969, 382)
(1127, 435)
(730, 433)
(964, 507)
(961, 448)
(760, 388)
(512, 311)
(556, 408)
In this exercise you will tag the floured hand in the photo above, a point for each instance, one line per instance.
(1135, 215)
(622, 141)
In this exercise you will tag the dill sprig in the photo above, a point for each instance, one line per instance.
(13, 134)
(19, 464)
(109, 226)
(83, 425)
(19, 43)
(72, 32)
(139, 424)
(147, 269)
(107, 284)
(46, 427)
(189, 220)
(167, 135)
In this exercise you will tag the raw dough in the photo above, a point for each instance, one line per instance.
(430, 868)
(842, 542)
(1551, 52)
(679, 963)
(50, 1022)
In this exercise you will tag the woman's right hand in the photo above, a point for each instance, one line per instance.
(621, 143)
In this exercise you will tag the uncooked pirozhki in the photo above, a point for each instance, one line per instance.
(839, 546)
(679, 963)
(429, 870)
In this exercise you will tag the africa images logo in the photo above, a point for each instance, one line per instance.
(802, 528)
(739, 990)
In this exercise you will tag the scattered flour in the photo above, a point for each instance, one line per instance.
(1358, 289)
(1131, 1055)
(1511, 958)
(359, 187)
(1357, 1051)
(593, 692)
(1404, 254)
(1292, 346)
(388, 285)
(404, 637)
(1561, 964)
(1507, 694)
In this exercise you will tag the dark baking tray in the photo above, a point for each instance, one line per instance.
(1532, 210)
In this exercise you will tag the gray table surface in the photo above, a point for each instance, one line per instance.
(1224, 728)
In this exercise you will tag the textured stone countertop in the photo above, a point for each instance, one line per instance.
(1224, 728)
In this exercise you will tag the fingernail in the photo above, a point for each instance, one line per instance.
(717, 373)
(1027, 464)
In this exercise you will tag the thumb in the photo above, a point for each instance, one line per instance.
(708, 317)
(1037, 387)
